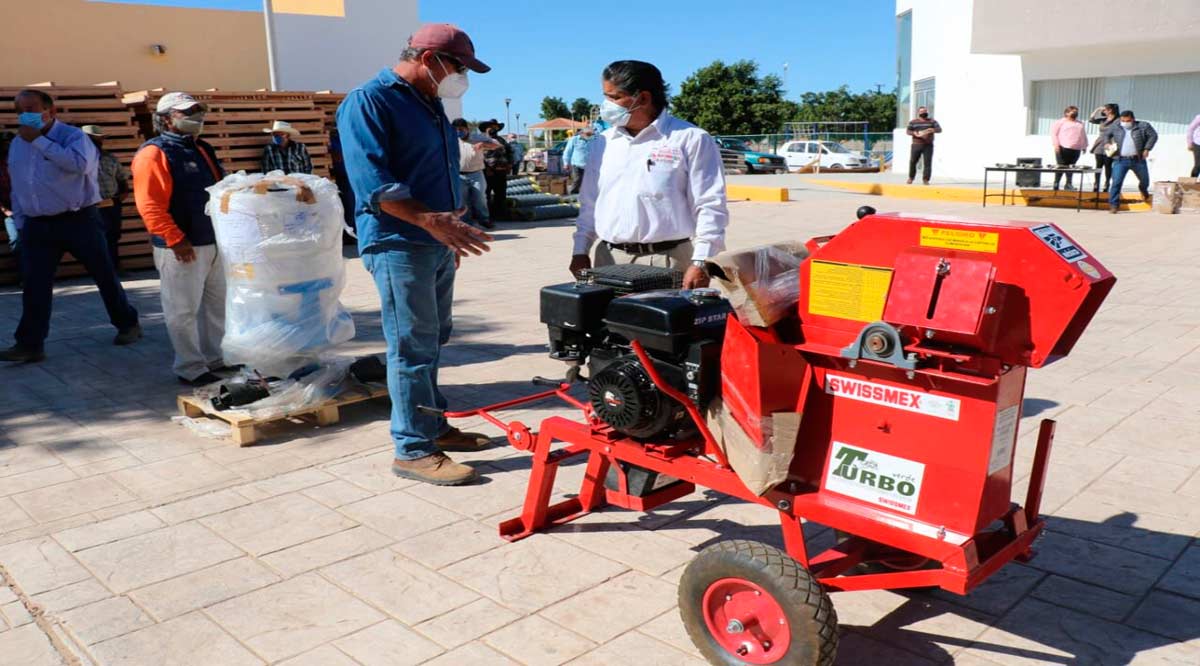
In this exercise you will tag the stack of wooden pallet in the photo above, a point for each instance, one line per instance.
(88, 105)
(329, 102)
(235, 122)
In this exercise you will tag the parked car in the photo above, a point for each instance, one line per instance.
(755, 161)
(834, 156)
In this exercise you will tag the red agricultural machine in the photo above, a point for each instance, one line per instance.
(893, 388)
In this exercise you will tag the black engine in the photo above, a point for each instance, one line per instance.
(595, 321)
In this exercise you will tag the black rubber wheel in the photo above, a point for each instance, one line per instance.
(766, 603)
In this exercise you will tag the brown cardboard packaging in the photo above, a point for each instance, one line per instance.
(762, 283)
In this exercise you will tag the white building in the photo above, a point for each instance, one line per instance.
(997, 73)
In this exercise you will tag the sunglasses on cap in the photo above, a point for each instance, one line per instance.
(452, 63)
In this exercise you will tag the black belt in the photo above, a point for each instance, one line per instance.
(647, 248)
(65, 213)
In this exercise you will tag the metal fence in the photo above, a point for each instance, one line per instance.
(877, 145)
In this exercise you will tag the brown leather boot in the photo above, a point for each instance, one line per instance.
(457, 440)
(435, 468)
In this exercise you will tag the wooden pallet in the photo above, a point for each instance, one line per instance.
(243, 429)
(88, 105)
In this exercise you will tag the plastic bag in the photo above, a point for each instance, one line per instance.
(308, 387)
(762, 283)
(280, 240)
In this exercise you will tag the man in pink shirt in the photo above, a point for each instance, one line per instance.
(1193, 140)
(1070, 140)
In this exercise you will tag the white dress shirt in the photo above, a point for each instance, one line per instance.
(664, 184)
(55, 173)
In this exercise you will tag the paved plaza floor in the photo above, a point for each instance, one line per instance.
(136, 541)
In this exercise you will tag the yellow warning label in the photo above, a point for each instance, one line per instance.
(960, 239)
(242, 271)
(848, 291)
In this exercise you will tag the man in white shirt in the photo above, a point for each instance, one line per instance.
(653, 189)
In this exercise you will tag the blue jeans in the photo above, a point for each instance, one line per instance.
(43, 242)
(475, 196)
(416, 287)
(1122, 166)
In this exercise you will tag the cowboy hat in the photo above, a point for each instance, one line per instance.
(282, 126)
(483, 125)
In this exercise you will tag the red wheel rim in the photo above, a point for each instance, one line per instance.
(746, 621)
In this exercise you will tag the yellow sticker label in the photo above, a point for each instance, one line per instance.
(960, 239)
(243, 271)
(848, 291)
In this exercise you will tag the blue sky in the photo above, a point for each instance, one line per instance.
(544, 47)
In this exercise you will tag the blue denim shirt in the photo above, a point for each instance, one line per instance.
(396, 144)
(56, 173)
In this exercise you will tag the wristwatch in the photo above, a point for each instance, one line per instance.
(701, 264)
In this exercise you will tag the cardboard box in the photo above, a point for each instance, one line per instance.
(762, 283)
(1189, 195)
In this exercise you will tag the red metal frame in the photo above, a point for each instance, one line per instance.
(962, 566)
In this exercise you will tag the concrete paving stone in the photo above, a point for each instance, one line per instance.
(668, 628)
(402, 588)
(326, 655)
(199, 506)
(284, 483)
(472, 653)
(536, 641)
(998, 593)
(199, 589)
(636, 648)
(1036, 632)
(622, 604)
(35, 479)
(155, 556)
(277, 523)
(1170, 615)
(1090, 562)
(1135, 471)
(371, 472)
(1184, 576)
(29, 646)
(268, 465)
(399, 515)
(40, 565)
(857, 648)
(12, 516)
(1158, 501)
(924, 626)
(72, 596)
(499, 492)
(325, 550)
(336, 493)
(190, 640)
(174, 476)
(515, 575)
(16, 459)
(16, 614)
(388, 643)
(1090, 599)
(113, 529)
(123, 461)
(1090, 516)
(292, 617)
(105, 619)
(174, 443)
(452, 543)
(1191, 487)
(646, 551)
(76, 451)
(465, 624)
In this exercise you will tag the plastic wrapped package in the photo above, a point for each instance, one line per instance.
(762, 283)
(280, 238)
(761, 465)
(309, 386)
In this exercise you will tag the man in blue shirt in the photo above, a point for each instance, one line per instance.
(575, 156)
(402, 157)
(53, 167)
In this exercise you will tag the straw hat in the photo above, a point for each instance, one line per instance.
(92, 130)
(282, 126)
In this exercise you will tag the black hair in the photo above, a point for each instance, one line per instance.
(459, 122)
(634, 76)
(47, 100)
(1128, 113)
(1114, 107)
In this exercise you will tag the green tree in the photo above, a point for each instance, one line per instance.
(876, 107)
(733, 99)
(581, 108)
(554, 107)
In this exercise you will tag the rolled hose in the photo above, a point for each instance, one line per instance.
(530, 200)
(549, 212)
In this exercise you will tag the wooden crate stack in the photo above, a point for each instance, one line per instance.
(235, 123)
(88, 105)
(329, 102)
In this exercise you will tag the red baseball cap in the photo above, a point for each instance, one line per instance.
(448, 39)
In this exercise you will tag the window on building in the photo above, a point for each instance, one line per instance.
(1167, 101)
(903, 67)
(923, 94)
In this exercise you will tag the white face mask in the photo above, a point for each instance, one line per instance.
(614, 114)
(453, 86)
(1126, 125)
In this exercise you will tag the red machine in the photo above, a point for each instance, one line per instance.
(906, 363)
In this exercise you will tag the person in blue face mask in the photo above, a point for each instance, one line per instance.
(285, 152)
(53, 167)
